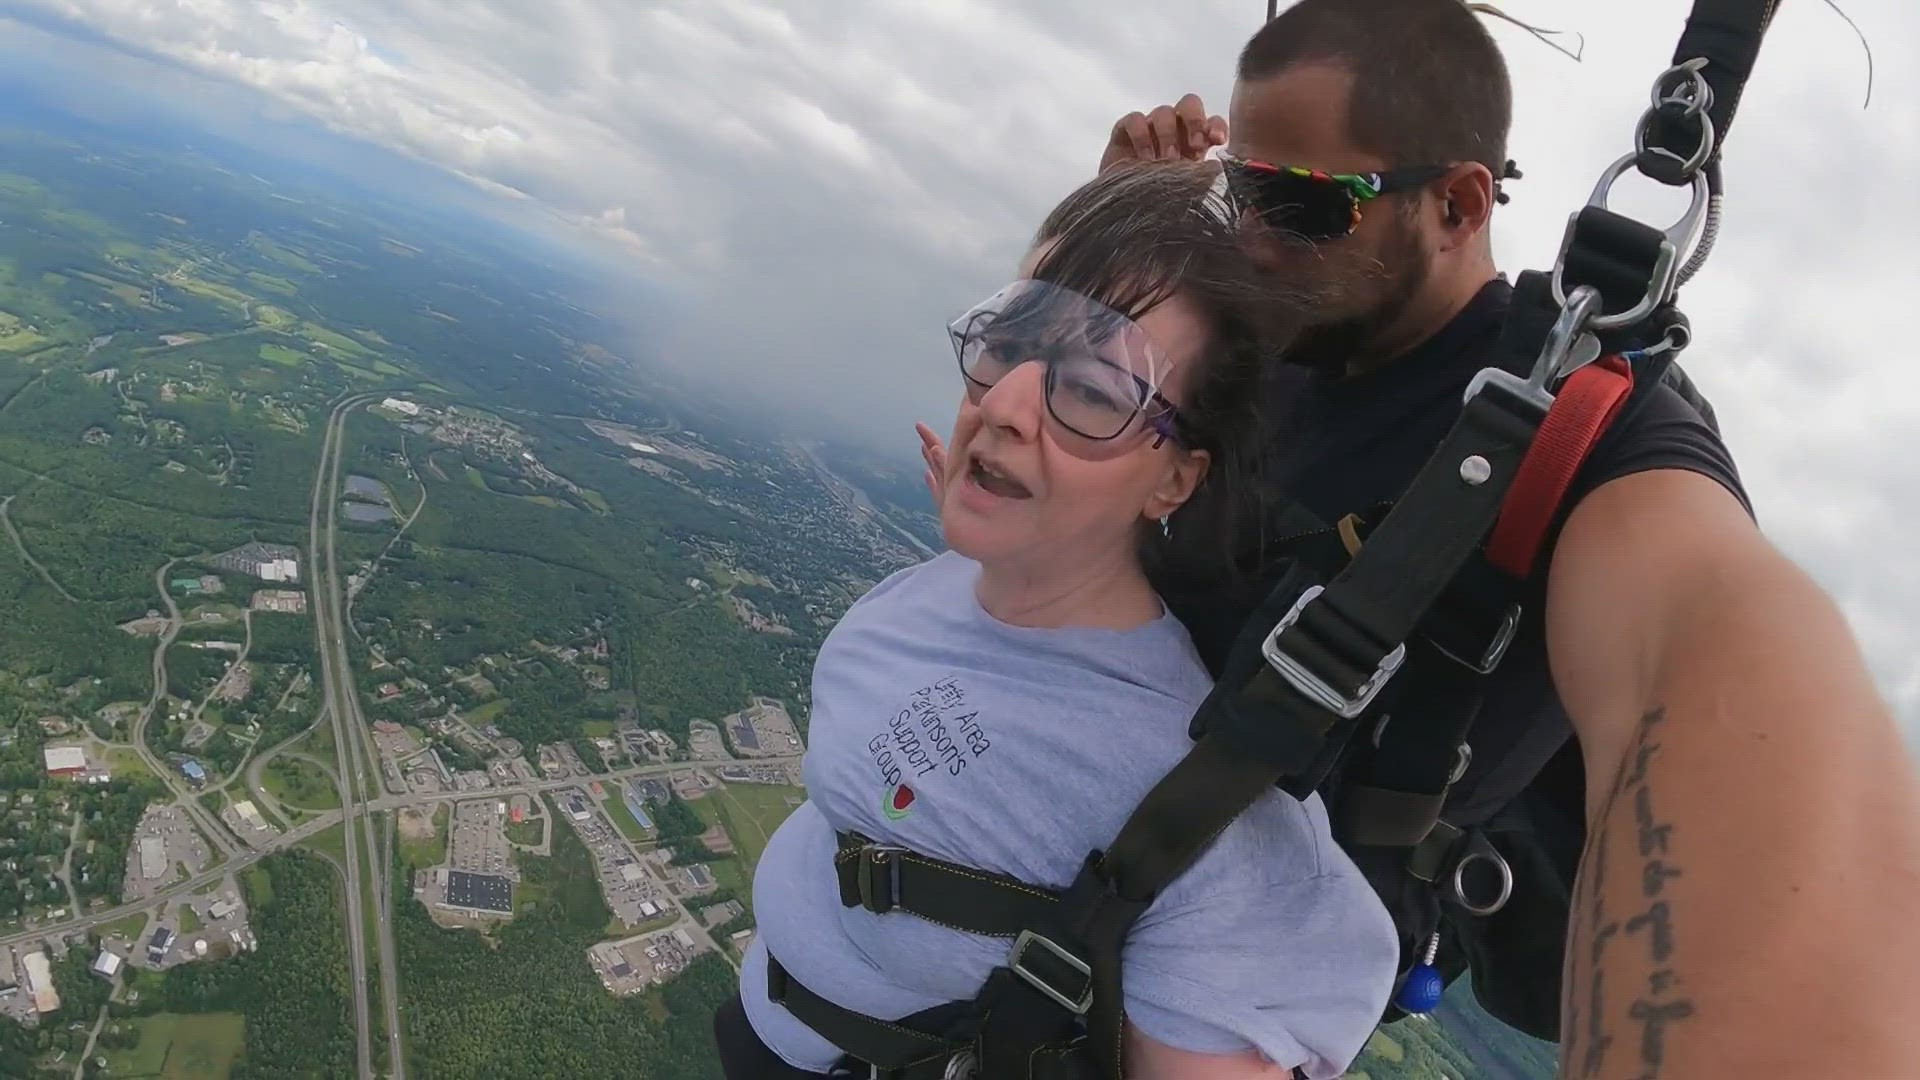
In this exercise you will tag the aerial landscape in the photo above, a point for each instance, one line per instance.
(392, 684)
(399, 679)
(395, 685)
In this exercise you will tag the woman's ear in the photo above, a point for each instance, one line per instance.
(1182, 479)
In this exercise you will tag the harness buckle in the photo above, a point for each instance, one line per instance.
(1300, 678)
(1666, 267)
(877, 860)
(1015, 963)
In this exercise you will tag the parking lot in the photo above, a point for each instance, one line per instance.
(479, 843)
(163, 841)
(631, 886)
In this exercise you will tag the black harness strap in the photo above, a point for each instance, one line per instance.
(882, 878)
(1726, 35)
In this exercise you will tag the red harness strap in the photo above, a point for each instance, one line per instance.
(1588, 401)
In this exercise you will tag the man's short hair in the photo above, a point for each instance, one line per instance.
(1429, 84)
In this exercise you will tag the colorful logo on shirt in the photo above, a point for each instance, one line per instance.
(899, 802)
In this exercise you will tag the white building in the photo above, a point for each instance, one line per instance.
(107, 964)
(153, 857)
(280, 570)
(67, 760)
(404, 408)
(250, 814)
(40, 982)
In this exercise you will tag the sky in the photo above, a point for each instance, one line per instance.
(824, 182)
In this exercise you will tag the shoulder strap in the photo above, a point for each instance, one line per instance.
(1581, 412)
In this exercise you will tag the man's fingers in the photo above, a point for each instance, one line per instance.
(928, 439)
(1191, 115)
(1216, 131)
(1132, 140)
(1165, 125)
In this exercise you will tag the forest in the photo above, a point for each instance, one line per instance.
(527, 1004)
(293, 990)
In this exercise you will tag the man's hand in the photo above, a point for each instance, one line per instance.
(1744, 906)
(934, 452)
(1174, 132)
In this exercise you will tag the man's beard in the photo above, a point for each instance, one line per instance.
(1353, 342)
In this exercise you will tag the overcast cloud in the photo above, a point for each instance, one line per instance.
(823, 182)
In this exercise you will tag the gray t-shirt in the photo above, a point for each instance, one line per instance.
(1018, 750)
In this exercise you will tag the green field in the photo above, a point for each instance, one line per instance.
(129, 927)
(202, 1046)
(751, 812)
(616, 808)
(300, 784)
(280, 354)
(331, 842)
(488, 713)
(427, 852)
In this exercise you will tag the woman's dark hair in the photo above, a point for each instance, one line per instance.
(1134, 237)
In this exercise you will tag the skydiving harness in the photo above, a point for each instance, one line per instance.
(1419, 608)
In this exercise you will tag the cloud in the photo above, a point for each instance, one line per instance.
(826, 181)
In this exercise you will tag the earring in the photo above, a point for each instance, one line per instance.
(1165, 529)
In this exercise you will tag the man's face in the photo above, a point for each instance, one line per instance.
(1361, 284)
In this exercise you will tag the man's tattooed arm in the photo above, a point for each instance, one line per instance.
(1745, 904)
(1604, 927)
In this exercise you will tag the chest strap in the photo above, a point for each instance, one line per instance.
(883, 877)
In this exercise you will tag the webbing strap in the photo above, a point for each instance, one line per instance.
(882, 878)
(893, 1047)
(1586, 404)
(1727, 35)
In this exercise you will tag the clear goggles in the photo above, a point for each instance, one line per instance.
(1103, 374)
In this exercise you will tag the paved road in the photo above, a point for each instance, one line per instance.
(319, 824)
(7, 523)
(216, 832)
(206, 877)
(336, 681)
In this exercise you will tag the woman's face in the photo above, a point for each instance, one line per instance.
(1015, 493)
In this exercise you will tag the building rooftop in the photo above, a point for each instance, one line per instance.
(480, 892)
(65, 759)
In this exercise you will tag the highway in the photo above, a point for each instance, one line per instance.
(337, 692)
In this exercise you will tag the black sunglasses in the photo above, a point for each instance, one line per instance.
(1311, 204)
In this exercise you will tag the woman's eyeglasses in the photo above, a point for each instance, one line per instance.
(1102, 372)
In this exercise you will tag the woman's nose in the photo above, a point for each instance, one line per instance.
(1015, 404)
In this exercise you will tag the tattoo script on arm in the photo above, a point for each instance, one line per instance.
(1616, 1021)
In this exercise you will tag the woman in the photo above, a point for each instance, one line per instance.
(1006, 704)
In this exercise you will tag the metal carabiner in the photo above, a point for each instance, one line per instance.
(1661, 284)
(1694, 95)
(1568, 348)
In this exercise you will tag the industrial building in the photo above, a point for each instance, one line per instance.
(40, 982)
(268, 562)
(67, 762)
(636, 805)
(404, 408)
(489, 893)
